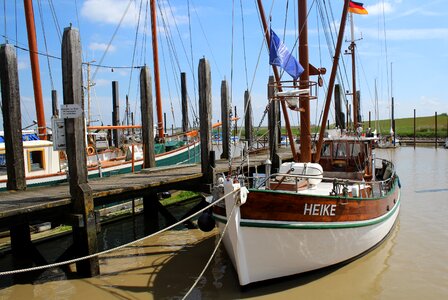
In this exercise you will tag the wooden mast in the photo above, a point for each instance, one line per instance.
(332, 80)
(355, 98)
(156, 71)
(34, 59)
(305, 123)
(278, 85)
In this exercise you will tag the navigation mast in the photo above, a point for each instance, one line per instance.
(156, 70)
(34, 59)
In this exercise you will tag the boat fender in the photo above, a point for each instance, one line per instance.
(90, 150)
(243, 195)
(206, 222)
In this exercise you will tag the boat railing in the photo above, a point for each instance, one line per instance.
(344, 187)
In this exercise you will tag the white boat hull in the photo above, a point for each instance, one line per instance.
(285, 248)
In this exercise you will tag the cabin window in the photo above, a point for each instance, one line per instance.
(355, 149)
(36, 160)
(339, 150)
(326, 150)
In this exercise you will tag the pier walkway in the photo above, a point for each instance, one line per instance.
(36, 202)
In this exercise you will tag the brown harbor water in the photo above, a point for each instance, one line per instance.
(412, 263)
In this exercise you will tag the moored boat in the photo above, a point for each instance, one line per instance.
(322, 209)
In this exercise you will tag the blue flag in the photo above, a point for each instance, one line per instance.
(280, 56)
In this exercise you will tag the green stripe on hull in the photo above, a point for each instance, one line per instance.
(329, 225)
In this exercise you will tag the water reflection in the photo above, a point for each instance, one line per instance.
(409, 264)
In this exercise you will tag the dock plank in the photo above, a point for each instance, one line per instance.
(35, 199)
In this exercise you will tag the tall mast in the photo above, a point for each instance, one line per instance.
(277, 80)
(305, 131)
(37, 86)
(355, 99)
(332, 80)
(156, 70)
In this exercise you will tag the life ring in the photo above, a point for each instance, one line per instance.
(90, 150)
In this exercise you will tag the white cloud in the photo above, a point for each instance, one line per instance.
(110, 11)
(410, 34)
(379, 8)
(101, 47)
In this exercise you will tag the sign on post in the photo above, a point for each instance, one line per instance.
(71, 111)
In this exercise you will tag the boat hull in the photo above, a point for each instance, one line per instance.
(262, 249)
(183, 155)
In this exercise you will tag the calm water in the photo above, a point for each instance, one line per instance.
(411, 264)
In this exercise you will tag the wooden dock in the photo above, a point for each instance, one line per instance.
(41, 202)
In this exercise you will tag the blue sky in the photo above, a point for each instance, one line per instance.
(410, 34)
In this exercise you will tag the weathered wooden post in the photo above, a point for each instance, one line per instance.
(12, 120)
(54, 103)
(205, 111)
(84, 227)
(340, 118)
(274, 108)
(435, 122)
(414, 127)
(115, 112)
(15, 166)
(183, 85)
(149, 160)
(226, 110)
(248, 118)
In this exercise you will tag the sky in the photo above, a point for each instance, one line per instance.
(402, 51)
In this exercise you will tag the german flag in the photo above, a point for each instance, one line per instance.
(357, 8)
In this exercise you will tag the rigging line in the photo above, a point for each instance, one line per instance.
(79, 26)
(39, 5)
(213, 254)
(135, 45)
(190, 63)
(364, 73)
(231, 52)
(16, 23)
(167, 81)
(191, 50)
(55, 20)
(330, 45)
(385, 49)
(333, 31)
(4, 21)
(112, 38)
(244, 44)
(173, 54)
(144, 36)
(206, 40)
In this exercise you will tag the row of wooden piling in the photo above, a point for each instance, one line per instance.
(83, 215)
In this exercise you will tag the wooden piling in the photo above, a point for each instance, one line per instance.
(435, 123)
(183, 85)
(115, 112)
(205, 111)
(414, 126)
(84, 227)
(147, 118)
(226, 111)
(12, 120)
(151, 212)
(54, 103)
(248, 118)
(273, 120)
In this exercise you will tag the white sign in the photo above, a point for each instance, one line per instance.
(58, 126)
(71, 111)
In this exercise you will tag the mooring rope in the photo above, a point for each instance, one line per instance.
(12, 272)
(213, 254)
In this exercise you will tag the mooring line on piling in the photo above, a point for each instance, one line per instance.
(213, 253)
(12, 272)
